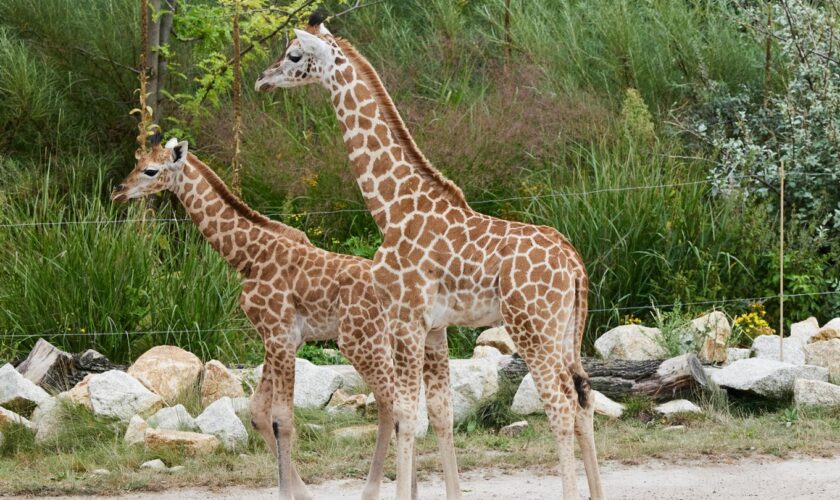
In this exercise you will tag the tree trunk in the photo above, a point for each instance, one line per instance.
(658, 379)
(153, 34)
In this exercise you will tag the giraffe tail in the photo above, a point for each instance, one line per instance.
(579, 376)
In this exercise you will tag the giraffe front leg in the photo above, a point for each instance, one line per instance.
(282, 356)
(438, 396)
(408, 364)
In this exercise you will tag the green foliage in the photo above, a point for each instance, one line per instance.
(677, 335)
(495, 413)
(316, 353)
(80, 283)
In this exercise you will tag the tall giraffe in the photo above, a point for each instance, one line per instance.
(293, 292)
(442, 263)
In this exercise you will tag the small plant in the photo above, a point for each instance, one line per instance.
(678, 335)
(638, 408)
(496, 412)
(789, 416)
(751, 324)
(319, 354)
(630, 319)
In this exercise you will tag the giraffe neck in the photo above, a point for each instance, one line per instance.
(232, 228)
(393, 175)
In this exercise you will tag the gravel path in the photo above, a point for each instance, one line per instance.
(800, 478)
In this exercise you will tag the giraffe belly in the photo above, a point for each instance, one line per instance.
(464, 310)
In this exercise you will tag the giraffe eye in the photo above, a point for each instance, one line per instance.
(151, 172)
(295, 57)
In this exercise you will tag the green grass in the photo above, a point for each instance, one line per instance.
(64, 464)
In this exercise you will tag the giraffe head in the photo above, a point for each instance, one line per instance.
(156, 170)
(309, 58)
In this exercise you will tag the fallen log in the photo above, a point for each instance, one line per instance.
(658, 379)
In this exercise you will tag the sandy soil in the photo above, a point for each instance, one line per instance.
(801, 478)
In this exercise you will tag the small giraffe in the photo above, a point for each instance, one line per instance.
(442, 263)
(293, 292)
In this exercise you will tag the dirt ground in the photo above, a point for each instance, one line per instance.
(801, 478)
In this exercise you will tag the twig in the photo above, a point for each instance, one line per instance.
(358, 5)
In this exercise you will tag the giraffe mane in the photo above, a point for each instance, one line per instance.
(397, 125)
(242, 208)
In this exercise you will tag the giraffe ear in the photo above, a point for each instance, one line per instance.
(311, 44)
(179, 153)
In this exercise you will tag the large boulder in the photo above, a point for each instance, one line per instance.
(19, 394)
(314, 385)
(766, 377)
(830, 330)
(173, 418)
(168, 371)
(497, 337)
(80, 394)
(803, 331)
(825, 354)
(189, 443)
(350, 379)
(816, 393)
(118, 394)
(714, 330)
(767, 347)
(219, 382)
(48, 367)
(474, 381)
(633, 342)
(220, 420)
(527, 401)
(486, 352)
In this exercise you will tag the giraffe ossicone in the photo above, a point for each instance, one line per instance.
(441, 263)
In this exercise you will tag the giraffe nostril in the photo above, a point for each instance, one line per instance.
(120, 187)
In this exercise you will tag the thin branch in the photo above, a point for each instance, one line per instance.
(358, 5)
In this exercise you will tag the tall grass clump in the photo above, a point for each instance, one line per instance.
(84, 273)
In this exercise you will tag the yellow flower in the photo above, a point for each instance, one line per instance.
(630, 319)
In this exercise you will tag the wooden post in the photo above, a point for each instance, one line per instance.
(236, 182)
(781, 260)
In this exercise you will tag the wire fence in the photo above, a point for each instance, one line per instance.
(248, 326)
(555, 194)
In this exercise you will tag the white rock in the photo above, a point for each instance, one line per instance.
(10, 417)
(314, 385)
(355, 431)
(767, 347)
(497, 337)
(486, 352)
(606, 406)
(351, 380)
(48, 419)
(80, 394)
(527, 401)
(715, 330)
(176, 469)
(242, 408)
(168, 371)
(474, 381)
(633, 342)
(118, 394)
(220, 420)
(18, 393)
(734, 354)
(830, 330)
(514, 429)
(766, 377)
(825, 354)
(678, 406)
(135, 433)
(156, 464)
(815, 393)
(219, 382)
(174, 418)
(189, 443)
(100, 472)
(804, 330)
